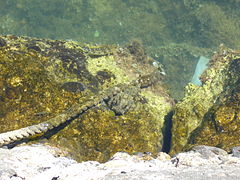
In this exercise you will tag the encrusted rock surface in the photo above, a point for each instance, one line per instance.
(55, 82)
(209, 114)
(37, 162)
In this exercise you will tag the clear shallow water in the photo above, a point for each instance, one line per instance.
(176, 33)
(116, 21)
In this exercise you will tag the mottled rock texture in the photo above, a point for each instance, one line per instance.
(209, 114)
(43, 80)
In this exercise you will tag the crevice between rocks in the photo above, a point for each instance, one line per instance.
(167, 133)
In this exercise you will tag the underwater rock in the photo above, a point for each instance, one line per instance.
(91, 100)
(209, 114)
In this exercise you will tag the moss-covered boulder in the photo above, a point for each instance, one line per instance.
(209, 114)
(40, 79)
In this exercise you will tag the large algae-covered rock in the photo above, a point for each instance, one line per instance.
(210, 114)
(42, 79)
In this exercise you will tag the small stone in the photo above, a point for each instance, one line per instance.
(120, 155)
(209, 151)
(162, 156)
(236, 151)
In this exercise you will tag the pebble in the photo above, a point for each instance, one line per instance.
(209, 151)
(236, 151)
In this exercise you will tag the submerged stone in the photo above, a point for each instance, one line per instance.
(119, 94)
(209, 114)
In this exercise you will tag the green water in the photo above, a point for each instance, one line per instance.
(174, 32)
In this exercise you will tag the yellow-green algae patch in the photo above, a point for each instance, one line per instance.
(157, 105)
(198, 119)
(108, 63)
(26, 91)
(99, 133)
(221, 127)
(39, 79)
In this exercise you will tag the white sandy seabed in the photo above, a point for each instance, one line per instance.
(41, 162)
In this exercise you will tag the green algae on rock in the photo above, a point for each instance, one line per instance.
(209, 114)
(41, 79)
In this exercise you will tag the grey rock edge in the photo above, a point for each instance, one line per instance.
(37, 162)
(75, 111)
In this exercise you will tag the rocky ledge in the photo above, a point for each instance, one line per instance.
(39, 161)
